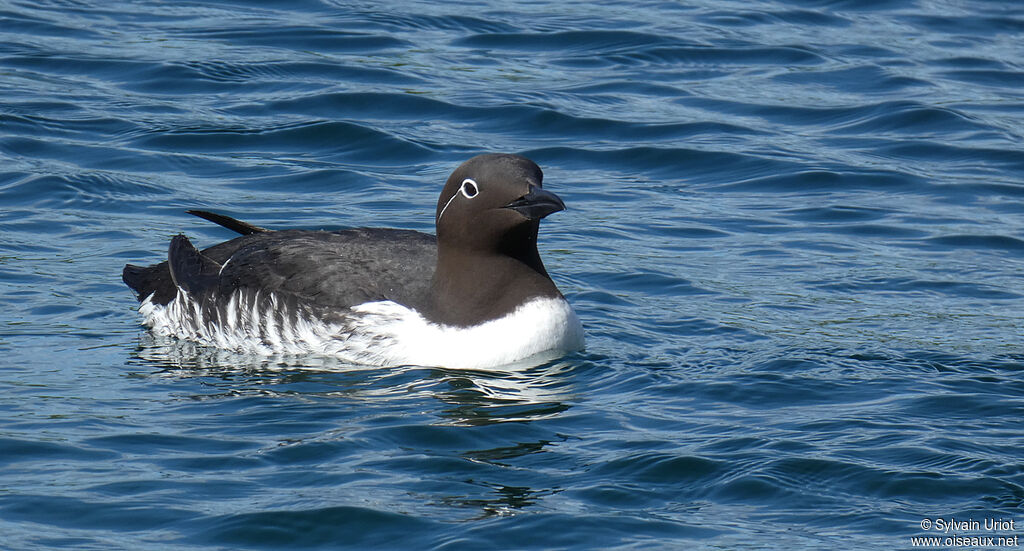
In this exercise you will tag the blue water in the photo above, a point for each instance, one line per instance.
(795, 237)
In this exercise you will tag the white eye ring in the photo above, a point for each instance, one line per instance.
(469, 188)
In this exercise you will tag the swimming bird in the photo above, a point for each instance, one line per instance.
(475, 296)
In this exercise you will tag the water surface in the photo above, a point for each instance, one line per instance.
(794, 236)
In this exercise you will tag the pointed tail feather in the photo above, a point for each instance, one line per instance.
(228, 222)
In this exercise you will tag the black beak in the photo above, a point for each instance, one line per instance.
(537, 204)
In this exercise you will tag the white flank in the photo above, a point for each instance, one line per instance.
(374, 333)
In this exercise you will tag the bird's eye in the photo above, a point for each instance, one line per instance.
(469, 188)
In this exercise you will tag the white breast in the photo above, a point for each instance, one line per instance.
(374, 333)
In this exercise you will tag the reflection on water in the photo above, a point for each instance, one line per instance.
(316, 410)
(518, 392)
(482, 398)
(501, 501)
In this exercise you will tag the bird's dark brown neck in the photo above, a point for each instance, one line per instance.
(473, 287)
(522, 246)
